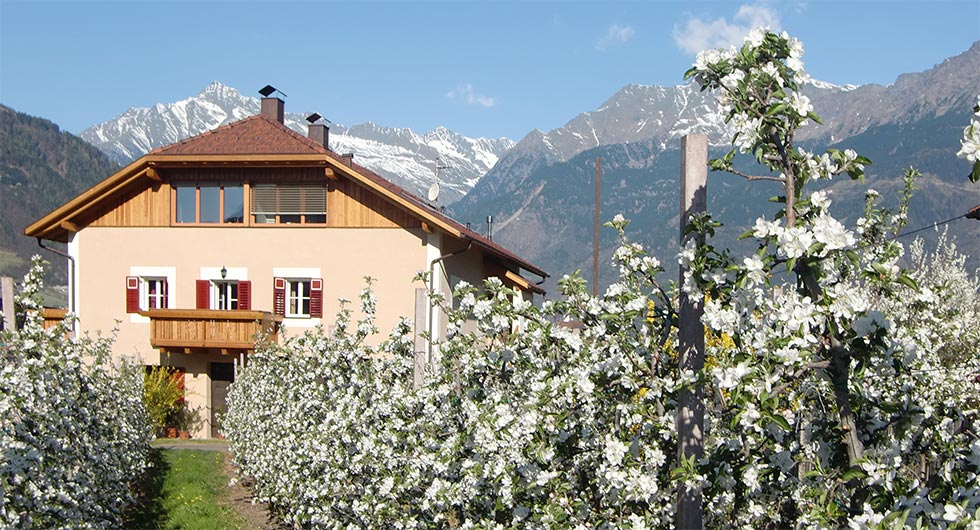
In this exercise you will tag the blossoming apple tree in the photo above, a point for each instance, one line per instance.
(841, 406)
(74, 432)
(830, 401)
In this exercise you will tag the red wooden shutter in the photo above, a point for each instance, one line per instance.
(203, 288)
(244, 295)
(279, 296)
(316, 297)
(165, 301)
(132, 294)
(178, 375)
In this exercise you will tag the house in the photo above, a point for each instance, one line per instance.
(195, 247)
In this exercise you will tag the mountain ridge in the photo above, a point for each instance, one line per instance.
(402, 155)
(542, 189)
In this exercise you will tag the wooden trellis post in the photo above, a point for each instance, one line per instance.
(690, 408)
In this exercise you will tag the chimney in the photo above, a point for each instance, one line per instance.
(273, 108)
(318, 132)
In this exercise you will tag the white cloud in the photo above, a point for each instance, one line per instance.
(466, 94)
(699, 34)
(615, 36)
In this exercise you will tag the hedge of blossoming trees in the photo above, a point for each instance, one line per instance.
(74, 432)
(831, 400)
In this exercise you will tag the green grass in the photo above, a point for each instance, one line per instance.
(184, 490)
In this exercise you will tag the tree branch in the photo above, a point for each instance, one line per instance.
(798, 374)
(746, 176)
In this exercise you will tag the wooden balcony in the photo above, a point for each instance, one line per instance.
(187, 330)
(53, 316)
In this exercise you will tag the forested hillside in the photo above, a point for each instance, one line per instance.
(41, 167)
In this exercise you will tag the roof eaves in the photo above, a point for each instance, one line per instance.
(44, 225)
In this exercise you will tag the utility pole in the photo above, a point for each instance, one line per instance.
(595, 238)
(690, 407)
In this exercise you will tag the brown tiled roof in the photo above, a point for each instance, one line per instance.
(255, 135)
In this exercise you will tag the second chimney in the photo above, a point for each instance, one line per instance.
(320, 134)
(273, 108)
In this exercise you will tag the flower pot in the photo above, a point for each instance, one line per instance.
(185, 435)
(171, 432)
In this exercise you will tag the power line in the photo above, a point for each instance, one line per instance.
(933, 225)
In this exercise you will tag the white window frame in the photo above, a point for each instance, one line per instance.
(302, 283)
(219, 287)
(162, 298)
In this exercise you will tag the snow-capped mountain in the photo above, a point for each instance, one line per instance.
(401, 155)
(648, 114)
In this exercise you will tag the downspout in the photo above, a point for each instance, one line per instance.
(432, 288)
(71, 275)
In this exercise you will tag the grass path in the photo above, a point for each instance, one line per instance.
(186, 490)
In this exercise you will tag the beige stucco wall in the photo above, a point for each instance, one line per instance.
(343, 256)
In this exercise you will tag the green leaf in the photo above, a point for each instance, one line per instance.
(790, 264)
(747, 234)
(776, 109)
(812, 474)
(854, 473)
(975, 174)
(690, 73)
(781, 421)
(906, 280)
(814, 117)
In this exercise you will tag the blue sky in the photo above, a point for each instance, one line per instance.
(481, 68)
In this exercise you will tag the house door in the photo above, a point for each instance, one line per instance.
(222, 375)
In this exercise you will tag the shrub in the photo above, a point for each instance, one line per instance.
(163, 393)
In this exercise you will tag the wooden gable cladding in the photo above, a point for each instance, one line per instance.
(350, 205)
(139, 205)
(148, 202)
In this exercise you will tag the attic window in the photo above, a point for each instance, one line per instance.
(289, 203)
(209, 203)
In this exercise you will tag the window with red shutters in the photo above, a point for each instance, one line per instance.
(203, 294)
(279, 296)
(132, 294)
(146, 292)
(316, 297)
(244, 294)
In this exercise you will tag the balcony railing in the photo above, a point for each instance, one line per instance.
(187, 330)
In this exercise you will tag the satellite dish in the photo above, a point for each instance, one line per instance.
(434, 192)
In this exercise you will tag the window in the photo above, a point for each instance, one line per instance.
(145, 292)
(210, 203)
(289, 203)
(153, 293)
(224, 295)
(298, 297)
